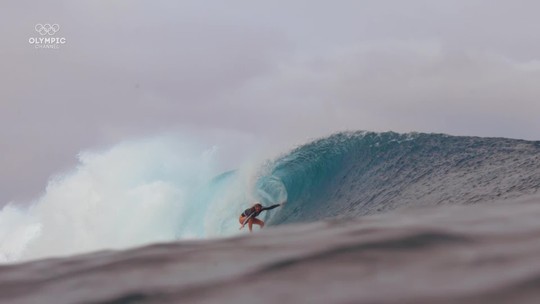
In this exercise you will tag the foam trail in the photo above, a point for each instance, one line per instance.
(135, 193)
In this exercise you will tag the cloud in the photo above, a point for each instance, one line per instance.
(398, 86)
(260, 72)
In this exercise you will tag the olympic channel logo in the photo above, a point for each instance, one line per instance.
(47, 41)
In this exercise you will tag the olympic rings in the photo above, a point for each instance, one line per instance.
(47, 29)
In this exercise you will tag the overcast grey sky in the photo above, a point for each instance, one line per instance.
(277, 72)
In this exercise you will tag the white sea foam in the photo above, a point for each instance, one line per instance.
(134, 193)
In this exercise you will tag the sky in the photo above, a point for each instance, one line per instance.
(270, 74)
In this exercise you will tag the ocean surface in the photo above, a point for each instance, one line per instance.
(369, 217)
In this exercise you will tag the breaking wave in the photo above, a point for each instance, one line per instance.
(164, 189)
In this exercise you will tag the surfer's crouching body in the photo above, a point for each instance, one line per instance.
(249, 216)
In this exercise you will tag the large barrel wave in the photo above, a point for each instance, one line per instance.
(359, 173)
(166, 189)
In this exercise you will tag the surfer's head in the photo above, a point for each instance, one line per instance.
(258, 207)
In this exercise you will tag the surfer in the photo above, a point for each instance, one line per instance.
(249, 216)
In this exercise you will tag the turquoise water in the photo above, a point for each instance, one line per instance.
(164, 189)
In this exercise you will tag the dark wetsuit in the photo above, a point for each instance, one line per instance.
(251, 212)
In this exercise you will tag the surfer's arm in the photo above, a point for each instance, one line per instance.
(271, 207)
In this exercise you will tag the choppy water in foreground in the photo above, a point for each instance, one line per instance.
(452, 254)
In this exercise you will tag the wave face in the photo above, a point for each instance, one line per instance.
(360, 173)
(163, 189)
